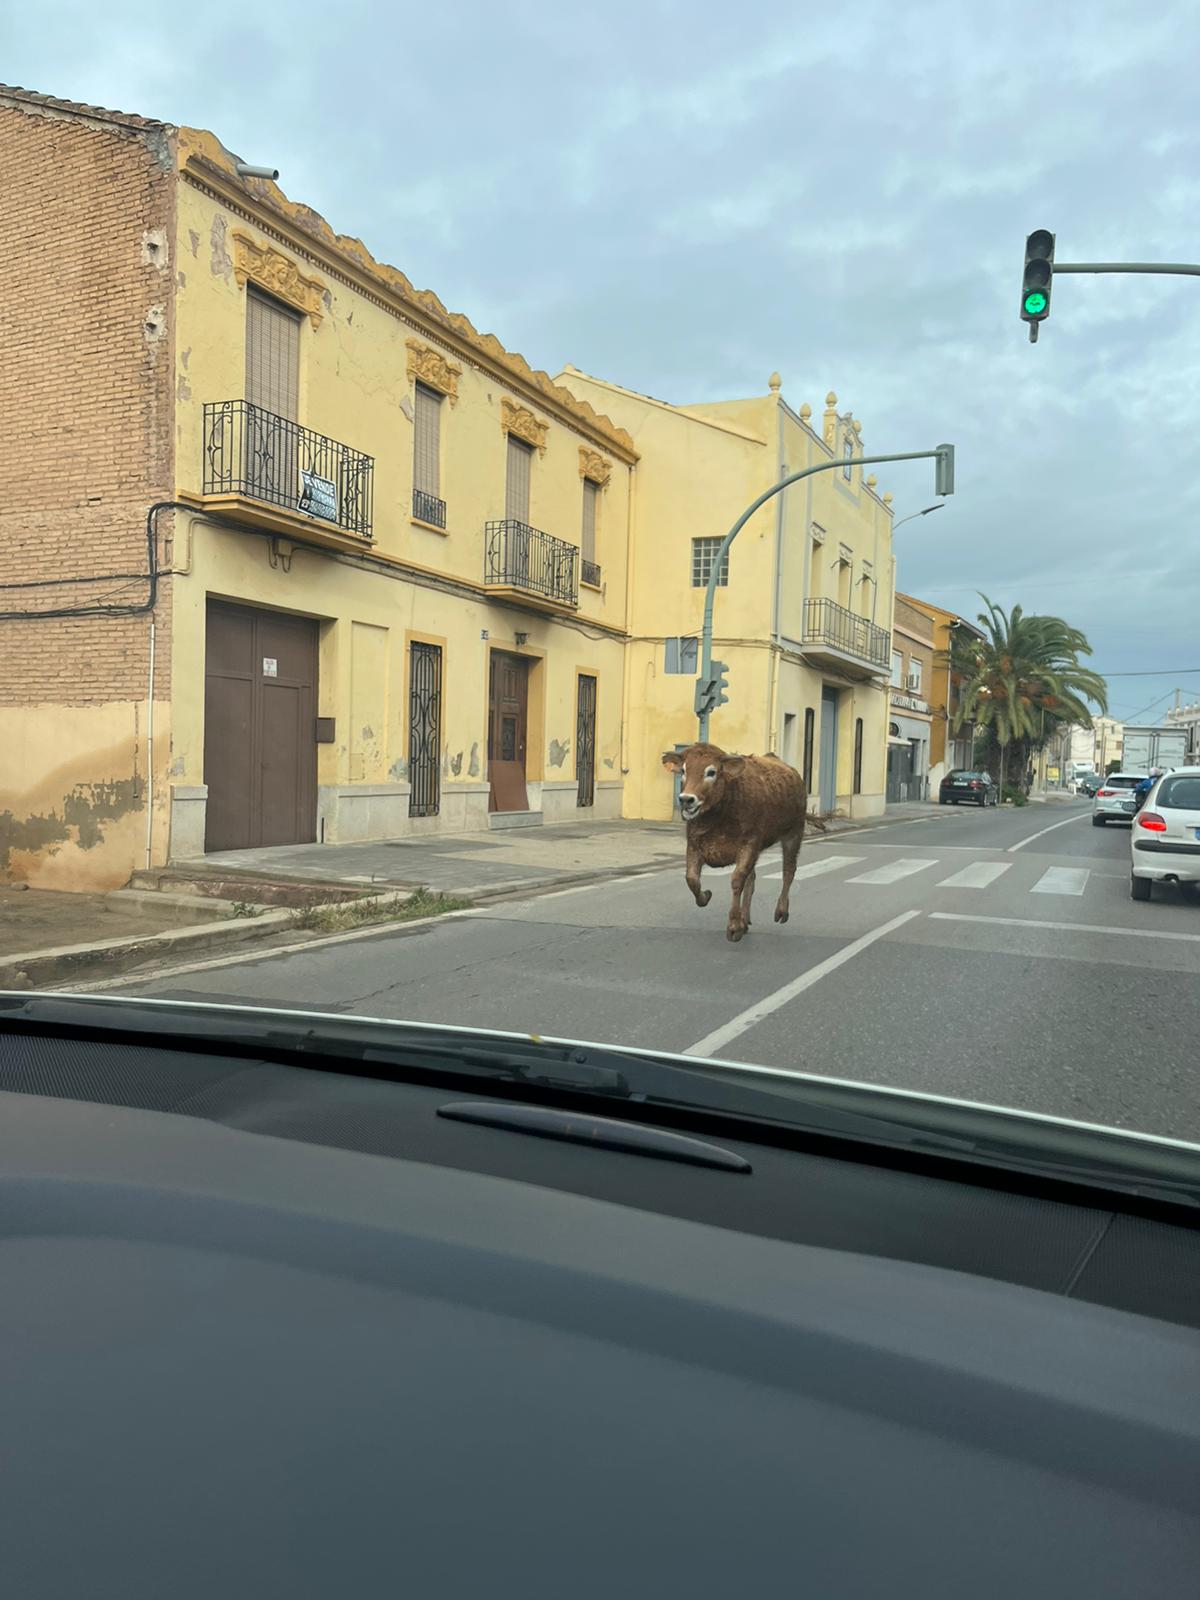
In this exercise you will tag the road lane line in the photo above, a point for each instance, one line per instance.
(745, 1020)
(1021, 843)
(976, 876)
(814, 869)
(1061, 880)
(893, 871)
(1064, 927)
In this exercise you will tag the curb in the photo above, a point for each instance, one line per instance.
(110, 957)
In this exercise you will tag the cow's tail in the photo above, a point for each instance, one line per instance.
(820, 820)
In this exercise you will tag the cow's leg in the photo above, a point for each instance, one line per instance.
(743, 870)
(748, 894)
(791, 849)
(692, 873)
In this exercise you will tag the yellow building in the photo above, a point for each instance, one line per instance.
(389, 586)
(402, 536)
(947, 748)
(802, 617)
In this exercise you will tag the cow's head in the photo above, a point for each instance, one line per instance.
(706, 770)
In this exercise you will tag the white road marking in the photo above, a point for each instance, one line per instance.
(1065, 927)
(813, 869)
(893, 871)
(976, 876)
(714, 1041)
(1021, 843)
(1062, 880)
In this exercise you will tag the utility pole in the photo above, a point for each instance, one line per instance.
(710, 685)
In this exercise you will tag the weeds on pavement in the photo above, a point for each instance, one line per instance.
(354, 913)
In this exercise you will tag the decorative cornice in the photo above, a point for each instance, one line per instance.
(521, 421)
(593, 465)
(431, 367)
(278, 275)
(204, 161)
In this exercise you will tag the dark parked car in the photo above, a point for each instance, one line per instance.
(976, 787)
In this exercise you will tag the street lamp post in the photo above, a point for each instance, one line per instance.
(913, 515)
(707, 692)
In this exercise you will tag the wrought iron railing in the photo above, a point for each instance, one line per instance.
(429, 508)
(253, 452)
(825, 622)
(525, 558)
(589, 572)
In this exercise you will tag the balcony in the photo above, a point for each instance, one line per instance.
(428, 508)
(529, 565)
(835, 637)
(283, 478)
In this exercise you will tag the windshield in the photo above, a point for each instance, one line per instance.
(632, 528)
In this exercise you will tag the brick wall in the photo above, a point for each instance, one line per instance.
(86, 388)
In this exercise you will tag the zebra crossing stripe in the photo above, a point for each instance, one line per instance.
(976, 876)
(1062, 880)
(893, 871)
(814, 869)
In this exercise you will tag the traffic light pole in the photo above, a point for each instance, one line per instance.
(1169, 268)
(944, 455)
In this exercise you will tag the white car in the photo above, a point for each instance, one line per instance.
(1165, 838)
(1114, 799)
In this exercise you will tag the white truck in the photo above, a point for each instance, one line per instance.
(1145, 748)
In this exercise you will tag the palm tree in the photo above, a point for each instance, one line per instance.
(1023, 681)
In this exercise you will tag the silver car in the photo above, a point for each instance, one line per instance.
(1114, 800)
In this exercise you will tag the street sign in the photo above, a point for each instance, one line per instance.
(319, 497)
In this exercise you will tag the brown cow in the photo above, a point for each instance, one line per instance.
(735, 807)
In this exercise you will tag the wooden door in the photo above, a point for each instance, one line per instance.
(508, 717)
(260, 750)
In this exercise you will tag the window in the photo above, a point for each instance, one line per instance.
(1181, 794)
(914, 674)
(809, 724)
(516, 491)
(585, 741)
(704, 553)
(590, 571)
(844, 575)
(682, 656)
(865, 602)
(858, 743)
(272, 355)
(897, 669)
(427, 443)
(847, 453)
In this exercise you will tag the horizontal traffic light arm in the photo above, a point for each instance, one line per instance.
(942, 453)
(1180, 268)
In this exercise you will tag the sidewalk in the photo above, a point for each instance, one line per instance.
(238, 895)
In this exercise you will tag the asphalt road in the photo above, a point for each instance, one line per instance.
(994, 956)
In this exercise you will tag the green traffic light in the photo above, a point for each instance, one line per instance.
(1035, 303)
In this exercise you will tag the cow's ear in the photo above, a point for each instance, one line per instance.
(673, 760)
(732, 765)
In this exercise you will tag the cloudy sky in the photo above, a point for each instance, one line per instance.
(684, 197)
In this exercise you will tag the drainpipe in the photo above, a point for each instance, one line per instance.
(150, 749)
(626, 668)
(776, 645)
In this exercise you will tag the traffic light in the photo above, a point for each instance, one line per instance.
(710, 692)
(1039, 275)
(943, 470)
